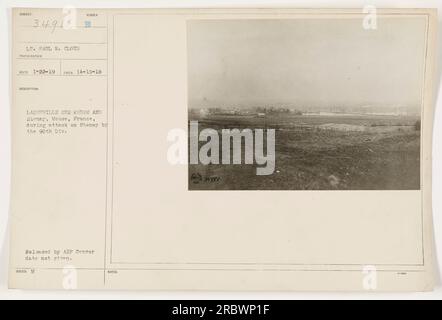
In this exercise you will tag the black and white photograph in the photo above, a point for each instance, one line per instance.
(341, 97)
(220, 156)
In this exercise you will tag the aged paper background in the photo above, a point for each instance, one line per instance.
(127, 214)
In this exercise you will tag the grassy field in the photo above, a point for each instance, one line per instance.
(316, 152)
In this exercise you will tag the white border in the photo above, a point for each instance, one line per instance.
(5, 163)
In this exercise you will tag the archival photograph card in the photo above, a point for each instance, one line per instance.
(222, 149)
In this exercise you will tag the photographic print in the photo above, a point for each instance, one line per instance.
(305, 104)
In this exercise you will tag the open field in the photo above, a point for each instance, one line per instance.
(321, 152)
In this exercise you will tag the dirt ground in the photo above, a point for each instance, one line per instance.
(322, 153)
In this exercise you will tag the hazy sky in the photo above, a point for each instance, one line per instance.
(309, 62)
